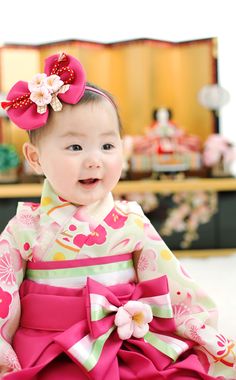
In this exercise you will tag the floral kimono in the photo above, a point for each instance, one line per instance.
(93, 292)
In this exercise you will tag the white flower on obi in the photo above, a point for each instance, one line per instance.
(132, 319)
(41, 96)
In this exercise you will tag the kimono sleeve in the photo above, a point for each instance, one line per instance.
(11, 276)
(194, 311)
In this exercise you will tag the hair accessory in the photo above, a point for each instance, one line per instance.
(27, 102)
(97, 91)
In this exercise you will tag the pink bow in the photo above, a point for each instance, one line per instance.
(23, 100)
(96, 348)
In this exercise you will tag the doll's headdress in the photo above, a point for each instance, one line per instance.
(64, 79)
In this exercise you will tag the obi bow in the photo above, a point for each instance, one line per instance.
(131, 313)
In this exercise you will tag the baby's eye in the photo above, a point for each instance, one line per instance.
(75, 147)
(107, 146)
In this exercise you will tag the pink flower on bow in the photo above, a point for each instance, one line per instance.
(44, 90)
(133, 319)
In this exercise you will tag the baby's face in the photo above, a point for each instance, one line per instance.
(81, 153)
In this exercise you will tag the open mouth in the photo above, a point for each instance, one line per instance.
(88, 181)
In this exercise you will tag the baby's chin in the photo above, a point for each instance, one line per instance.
(85, 201)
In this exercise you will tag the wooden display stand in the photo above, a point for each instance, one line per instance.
(141, 186)
(18, 191)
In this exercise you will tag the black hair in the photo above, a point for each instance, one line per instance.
(154, 113)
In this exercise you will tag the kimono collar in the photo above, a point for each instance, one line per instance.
(61, 210)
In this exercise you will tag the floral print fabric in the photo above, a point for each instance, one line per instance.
(56, 230)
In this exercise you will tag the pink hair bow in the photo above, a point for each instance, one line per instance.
(27, 102)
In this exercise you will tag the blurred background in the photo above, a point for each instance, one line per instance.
(111, 20)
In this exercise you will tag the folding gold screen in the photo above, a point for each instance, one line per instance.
(142, 74)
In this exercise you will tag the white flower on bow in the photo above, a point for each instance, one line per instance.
(44, 90)
(41, 96)
(133, 319)
(37, 82)
(53, 83)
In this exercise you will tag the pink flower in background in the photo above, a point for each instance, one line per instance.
(210, 158)
(217, 147)
(192, 209)
(133, 319)
(5, 301)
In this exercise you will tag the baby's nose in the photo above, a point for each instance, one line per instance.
(93, 162)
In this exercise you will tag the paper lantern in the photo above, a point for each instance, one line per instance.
(213, 96)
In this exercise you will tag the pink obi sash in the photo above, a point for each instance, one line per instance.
(86, 327)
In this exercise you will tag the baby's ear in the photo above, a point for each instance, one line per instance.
(31, 154)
